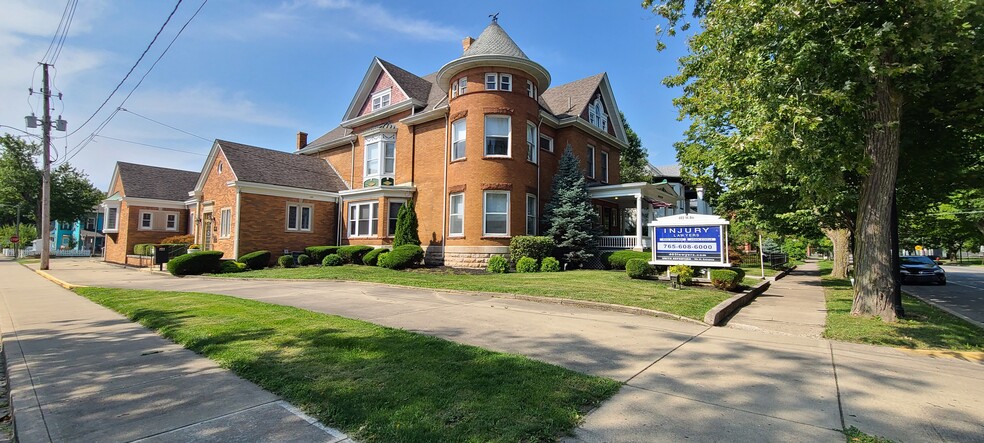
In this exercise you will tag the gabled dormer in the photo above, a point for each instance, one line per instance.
(386, 89)
(589, 102)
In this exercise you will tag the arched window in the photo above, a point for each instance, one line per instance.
(597, 116)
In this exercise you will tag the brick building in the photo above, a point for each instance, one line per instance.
(145, 205)
(476, 145)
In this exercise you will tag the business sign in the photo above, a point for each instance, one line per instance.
(690, 239)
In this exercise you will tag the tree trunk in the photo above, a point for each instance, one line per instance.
(874, 283)
(841, 238)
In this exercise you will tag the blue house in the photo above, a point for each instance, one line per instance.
(78, 236)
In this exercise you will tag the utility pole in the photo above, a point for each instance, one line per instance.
(46, 175)
(17, 234)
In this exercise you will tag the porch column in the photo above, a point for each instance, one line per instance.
(638, 245)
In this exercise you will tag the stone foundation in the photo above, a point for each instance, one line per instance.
(474, 257)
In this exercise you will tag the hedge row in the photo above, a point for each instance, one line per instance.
(256, 260)
(618, 259)
(195, 263)
(401, 257)
(318, 253)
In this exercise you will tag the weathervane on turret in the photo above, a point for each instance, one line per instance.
(495, 17)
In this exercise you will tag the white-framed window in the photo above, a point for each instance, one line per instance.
(219, 168)
(299, 217)
(546, 143)
(146, 220)
(225, 223)
(112, 218)
(381, 99)
(495, 210)
(458, 132)
(393, 212)
(597, 116)
(530, 214)
(462, 85)
(530, 89)
(505, 82)
(491, 81)
(531, 142)
(454, 89)
(380, 157)
(90, 224)
(363, 219)
(604, 166)
(497, 135)
(171, 222)
(590, 163)
(456, 221)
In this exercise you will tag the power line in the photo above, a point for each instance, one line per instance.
(164, 124)
(64, 36)
(120, 84)
(151, 146)
(58, 30)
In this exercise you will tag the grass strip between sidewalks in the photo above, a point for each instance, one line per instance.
(375, 383)
(592, 285)
(923, 327)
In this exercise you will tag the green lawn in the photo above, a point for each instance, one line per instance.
(377, 384)
(923, 327)
(601, 286)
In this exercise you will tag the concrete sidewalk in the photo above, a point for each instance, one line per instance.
(793, 305)
(682, 381)
(80, 372)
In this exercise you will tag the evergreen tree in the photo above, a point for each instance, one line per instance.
(406, 226)
(633, 159)
(569, 216)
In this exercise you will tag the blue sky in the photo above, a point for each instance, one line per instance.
(256, 72)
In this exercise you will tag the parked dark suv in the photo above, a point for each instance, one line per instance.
(921, 269)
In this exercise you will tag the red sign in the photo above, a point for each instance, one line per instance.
(14, 239)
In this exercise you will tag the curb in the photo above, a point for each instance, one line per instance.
(945, 309)
(783, 273)
(970, 356)
(54, 279)
(719, 313)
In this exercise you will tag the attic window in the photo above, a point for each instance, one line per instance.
(219, 168)
(530, 89)
(381, 99)
(597, 116)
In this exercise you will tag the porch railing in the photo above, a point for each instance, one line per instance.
(621, 242)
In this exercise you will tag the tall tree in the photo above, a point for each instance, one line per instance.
(72, 194)
(569, 216)
(815, 90)
(633, 159)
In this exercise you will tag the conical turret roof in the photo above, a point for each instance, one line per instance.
(495, 41)
(493, 48)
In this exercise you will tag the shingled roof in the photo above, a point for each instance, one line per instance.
(494, 41)
(330, 136)
(416, 87)
(260, 165)
(570, 99)
(143, 181)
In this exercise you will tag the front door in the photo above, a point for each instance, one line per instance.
(207, 235)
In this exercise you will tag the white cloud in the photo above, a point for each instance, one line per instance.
(208, 103)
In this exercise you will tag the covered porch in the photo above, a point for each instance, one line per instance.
(625, 210)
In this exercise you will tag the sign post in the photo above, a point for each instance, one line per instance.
(690, 239)
(14, 239)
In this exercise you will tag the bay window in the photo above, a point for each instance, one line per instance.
(456, 221)
(363, 219)
(497, 133)
(495, 208)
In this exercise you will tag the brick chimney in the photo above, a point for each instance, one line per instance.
(466, 43)
(301, 140)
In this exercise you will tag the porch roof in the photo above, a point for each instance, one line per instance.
(655, 192)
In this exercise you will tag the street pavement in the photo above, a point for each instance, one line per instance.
(963, 294)
(682, 380)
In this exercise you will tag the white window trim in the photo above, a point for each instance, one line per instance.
(531, 151)
(451, 214)
(381, 141)
(297, 207)
(454, 140)
(380, 95)
(463, 85)
(224, 231)
(527, 218)
(503, 85)
(167, 219)
(373, 214)
(605, 169)
(495, 81)
(140, 224)
(485, 232)
(454, 89)
(392, 216)
(550, 146)
(115, 219)
(591, 162)
(530, 89)
(485, 139)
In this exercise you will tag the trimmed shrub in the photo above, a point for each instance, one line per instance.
(354, 253)
(286, 261)
(527, 264)
(535, 247)
(333, 260)
(318, 253)
(685, 274)
(740, 272)
(550, 264)
(231, 267)
(639, 268)
(725, 279)
(406, 226)
(145, 249)
(401, 257)
(498, 265)
(372, 257)
(618, 259)
(178, 240)
(196, 263)
(256, 260)
(380, 259)
(304, 260)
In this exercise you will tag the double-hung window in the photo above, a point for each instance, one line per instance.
(225, 222)
(381, 99)
(171, 222)
(456, 222)
(495, 222)
(505, 82)
(111, 218)
(458, 130)
(497, 132)
(298, 217)
(391, 218)
(454, 89)
(531, 142)
(530, 214)
(462, 85)
(363, 219)
(380, 157)
(530, 89)
(146, 220)
(491, 81)
(590, 169)
(546, 143)
(604, 166)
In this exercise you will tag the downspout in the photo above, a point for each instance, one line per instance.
(338, 221)
(352, 178)
(235, 241)
(413, 153)
(539, 213)
(444, 195)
